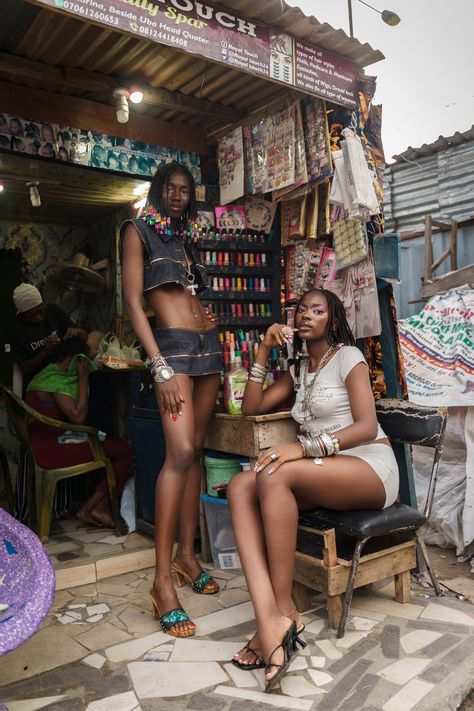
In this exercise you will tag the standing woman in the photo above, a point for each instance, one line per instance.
(185, 361)
(340, 460)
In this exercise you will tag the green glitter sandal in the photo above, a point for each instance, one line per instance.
(171, 619)
(199, 584)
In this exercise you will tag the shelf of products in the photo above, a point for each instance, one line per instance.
(245, 273)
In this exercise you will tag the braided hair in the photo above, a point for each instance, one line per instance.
(338, 330)
(160, 183)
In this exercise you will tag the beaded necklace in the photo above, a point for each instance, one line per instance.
(308, 389)
(162, 225)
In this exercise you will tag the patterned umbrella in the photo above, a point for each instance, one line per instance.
(27, 583)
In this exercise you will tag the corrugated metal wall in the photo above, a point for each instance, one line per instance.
(412, 266)
(440, 184)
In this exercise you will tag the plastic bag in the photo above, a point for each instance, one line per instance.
(359, 181)
(113, 355)
(127, 505)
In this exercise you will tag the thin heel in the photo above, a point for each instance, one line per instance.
(297, 640)
(180, 579)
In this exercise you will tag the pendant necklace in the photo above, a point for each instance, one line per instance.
(308, 389)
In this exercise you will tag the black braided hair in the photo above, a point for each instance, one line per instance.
(160, 182)
(338, 330)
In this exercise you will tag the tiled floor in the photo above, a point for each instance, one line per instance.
(85, 555)
(100, 650)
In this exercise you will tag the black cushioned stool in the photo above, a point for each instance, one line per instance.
(394, 528)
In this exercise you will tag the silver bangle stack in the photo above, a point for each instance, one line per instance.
(258, 373)
(160, 370)
(319, 445)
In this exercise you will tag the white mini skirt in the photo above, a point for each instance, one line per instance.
(381, 459)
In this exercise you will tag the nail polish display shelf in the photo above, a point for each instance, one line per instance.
(235, 270)
(236, 245)
(242, 295)
(252, 321)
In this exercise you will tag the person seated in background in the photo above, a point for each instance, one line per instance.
(61, 391)
(36, 330)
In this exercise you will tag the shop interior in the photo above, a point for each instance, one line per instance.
(262, 248)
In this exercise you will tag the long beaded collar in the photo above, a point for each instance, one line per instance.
(164, 229)
(309, 387)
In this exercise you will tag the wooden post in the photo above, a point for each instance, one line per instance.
(454, 245)
(300, 596)
(428, 249)
(402, 586)
(334, 602)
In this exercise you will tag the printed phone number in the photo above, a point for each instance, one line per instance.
(89, 12)
(162, 36)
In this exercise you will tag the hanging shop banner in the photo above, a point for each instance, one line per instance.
(212, 31)
(326, 75)
(438, 350)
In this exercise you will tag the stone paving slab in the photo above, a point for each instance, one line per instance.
(414, 657)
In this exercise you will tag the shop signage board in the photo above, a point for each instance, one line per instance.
(212, 31)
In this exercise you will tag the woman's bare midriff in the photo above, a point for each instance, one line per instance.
(175, 307)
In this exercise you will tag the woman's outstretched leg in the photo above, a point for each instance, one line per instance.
(205, 389)
(250, 539)
(169, 492)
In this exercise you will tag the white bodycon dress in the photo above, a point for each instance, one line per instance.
(331, 411)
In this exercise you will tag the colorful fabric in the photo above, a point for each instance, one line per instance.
(54, 379)
(438, 350)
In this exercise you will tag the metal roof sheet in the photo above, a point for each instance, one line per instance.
(441, 144)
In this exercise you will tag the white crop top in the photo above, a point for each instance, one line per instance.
(329, 402)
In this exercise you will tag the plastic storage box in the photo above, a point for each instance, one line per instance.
(221, 535)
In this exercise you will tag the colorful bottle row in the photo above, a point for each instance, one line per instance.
(241, 284)
(230, 235)
(230, 259)
(249, 310)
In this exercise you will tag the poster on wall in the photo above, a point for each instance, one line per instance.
(230, 156)
(259, 214)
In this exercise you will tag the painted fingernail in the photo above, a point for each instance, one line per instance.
(162, 410)
(180, 413)
(174, 418)
(270, 471)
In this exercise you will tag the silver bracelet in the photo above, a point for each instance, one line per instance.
(160, 369)
(257, 373)
(328, 443)
(312, 445)
(258, 380)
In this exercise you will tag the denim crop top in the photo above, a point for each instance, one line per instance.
(164, 258)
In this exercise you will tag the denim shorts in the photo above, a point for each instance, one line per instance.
(190, 352)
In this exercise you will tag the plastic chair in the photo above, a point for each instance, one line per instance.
(42, 482)
(404, 423)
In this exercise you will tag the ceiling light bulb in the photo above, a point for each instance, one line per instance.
(121, 104)
(136, 95)
(34, 194)
(141, 189)
(1, 186)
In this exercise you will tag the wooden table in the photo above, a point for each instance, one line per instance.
(248, 435)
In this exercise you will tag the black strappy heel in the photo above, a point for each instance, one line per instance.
(297, 639)
(287, 645)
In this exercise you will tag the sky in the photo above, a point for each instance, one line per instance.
(425, 83)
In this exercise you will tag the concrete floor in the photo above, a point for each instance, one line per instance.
(100, 650)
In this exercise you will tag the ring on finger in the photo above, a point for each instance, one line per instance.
(273, 457)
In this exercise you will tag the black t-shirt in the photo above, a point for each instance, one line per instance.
(27, 339)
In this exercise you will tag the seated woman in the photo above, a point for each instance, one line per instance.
(340, 460)
(61, 391)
